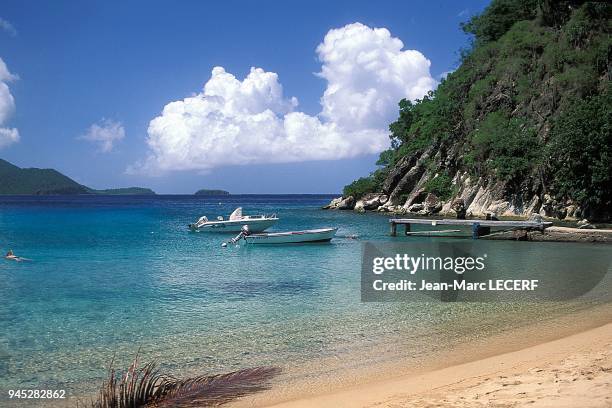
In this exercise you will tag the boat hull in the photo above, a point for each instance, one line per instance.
(294, 237)
(236, 226)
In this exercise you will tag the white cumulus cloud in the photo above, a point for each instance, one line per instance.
(234, 122)
(367, 74)
(8, 136)
(104, 134)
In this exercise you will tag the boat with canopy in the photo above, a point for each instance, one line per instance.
(235, 222)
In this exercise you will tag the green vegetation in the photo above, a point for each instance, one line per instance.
(375, 180)
(365, 185)
(360, 187)
(422, 123)
(441, 186)
(498, 18)
(17, 181)
(205, 192)
(580, 152)
(528, 107)
(502, 146)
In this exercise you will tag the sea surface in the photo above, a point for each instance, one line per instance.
(111, 275)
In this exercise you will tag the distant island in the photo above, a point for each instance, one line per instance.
(32, 181)
(205, 192)
(124, 191)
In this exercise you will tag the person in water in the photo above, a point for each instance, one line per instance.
(12, 256)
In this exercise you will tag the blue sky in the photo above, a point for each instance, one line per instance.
(101, 63)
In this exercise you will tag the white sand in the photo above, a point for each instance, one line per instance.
(574, 371)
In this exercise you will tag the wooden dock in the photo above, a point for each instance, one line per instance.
(479, 227)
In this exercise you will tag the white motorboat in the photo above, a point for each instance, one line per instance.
(292, 237)
(235, 222)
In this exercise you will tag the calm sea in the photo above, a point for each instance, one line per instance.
(111, 275)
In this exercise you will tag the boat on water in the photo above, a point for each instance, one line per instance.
(235, 222)
(292, 237)
(288, 237)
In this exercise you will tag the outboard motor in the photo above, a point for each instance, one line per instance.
(244, 231)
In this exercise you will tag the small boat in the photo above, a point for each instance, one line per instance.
(235, 222)
(292, 237)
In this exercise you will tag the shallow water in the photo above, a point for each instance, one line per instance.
(110, 275)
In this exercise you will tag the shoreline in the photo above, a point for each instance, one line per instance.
(461, 371)
(556, 234)
(568, 229)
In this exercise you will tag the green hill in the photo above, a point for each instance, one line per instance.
(523, 126)
(17, 181)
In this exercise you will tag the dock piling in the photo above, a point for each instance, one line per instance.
(475, 228)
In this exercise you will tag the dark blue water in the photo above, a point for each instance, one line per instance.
(109, 275)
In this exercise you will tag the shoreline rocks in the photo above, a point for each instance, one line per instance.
(429, 204)
(341, 203)
(556, 234)
(370, 202)
(583, 232)
(477, 202)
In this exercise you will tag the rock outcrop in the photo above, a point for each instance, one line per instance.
(370, 202)
(341, 203)
(406, 194)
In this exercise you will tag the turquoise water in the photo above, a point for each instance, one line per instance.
(110, 275)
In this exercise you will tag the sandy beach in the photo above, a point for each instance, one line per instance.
(569, 372)
(570, 367)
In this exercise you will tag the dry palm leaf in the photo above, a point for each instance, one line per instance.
(207, 391)
(146, 387)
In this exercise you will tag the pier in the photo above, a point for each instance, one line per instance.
(479, 227)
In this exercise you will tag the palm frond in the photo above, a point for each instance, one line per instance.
(214, 390)
(147, 387)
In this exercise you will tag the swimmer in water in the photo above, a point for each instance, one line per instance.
(10, 255)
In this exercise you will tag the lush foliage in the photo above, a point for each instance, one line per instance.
(498, 18)
(365, 185)
(580, 152)
(441, 186)
(532, 90)
(421, 124)
(503, 147)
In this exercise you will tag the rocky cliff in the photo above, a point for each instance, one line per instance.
(522, 127)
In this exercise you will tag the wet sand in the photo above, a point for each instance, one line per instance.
(564, 363)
